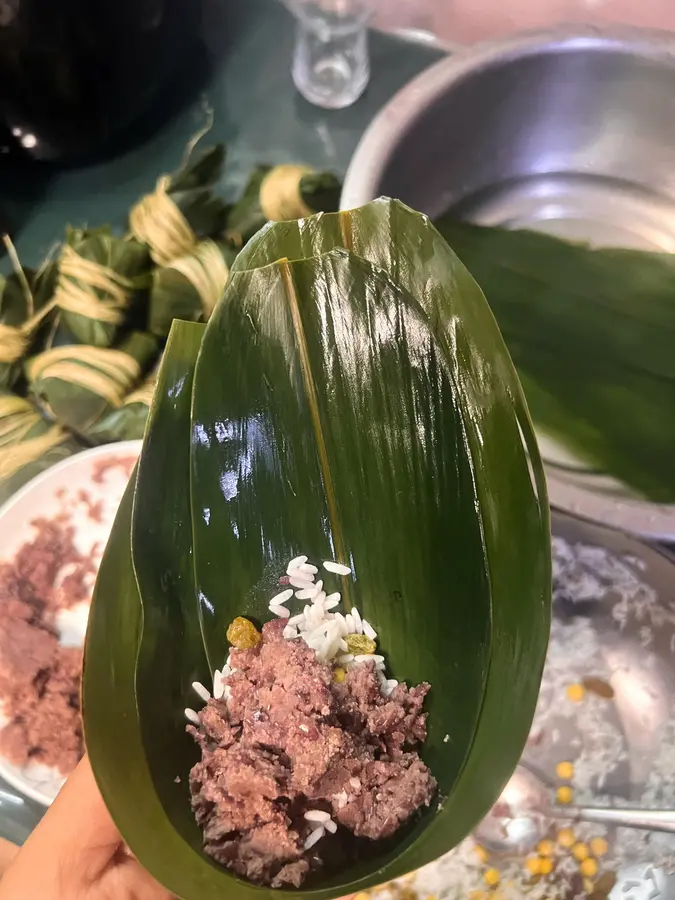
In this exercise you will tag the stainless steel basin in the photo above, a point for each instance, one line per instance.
(571, 131)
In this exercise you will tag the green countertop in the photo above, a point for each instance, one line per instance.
(257, 112)
(260, 116)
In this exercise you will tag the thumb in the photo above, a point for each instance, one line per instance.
(71, 846)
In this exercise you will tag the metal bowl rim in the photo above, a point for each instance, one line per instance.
(403, 110)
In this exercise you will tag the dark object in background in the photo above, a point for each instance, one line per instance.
(75, 74)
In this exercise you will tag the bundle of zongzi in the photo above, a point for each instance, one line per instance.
(28, 443)
(278, 193)
(183, 208)
(25, 305)
(99, 275)
(78, 385)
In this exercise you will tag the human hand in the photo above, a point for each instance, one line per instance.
(76, 853)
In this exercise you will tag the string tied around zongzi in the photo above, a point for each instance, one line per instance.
(143, 394)
(108, 373)
(14, 342)
(280, 195)
(91, 289)
(158, 222)
(207, 271)
(24, 452)
(18, 417)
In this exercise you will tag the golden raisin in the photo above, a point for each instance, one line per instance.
(589, 867)
(242, 634)
(565, 837)
(338, 674)
(598, 846)
(359, 644)
(564, 794)
(564, 770)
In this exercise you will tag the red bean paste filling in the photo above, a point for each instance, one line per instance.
(40, 679)
(290, 739)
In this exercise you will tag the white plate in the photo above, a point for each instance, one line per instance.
(45, 496)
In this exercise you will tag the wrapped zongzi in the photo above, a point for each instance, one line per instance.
(78, 385)
(190, 286)
(126, 423)
(183, 208)
(28, 443)
(278, 193)
(99, 275)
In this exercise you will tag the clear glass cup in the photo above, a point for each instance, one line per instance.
(331, 65)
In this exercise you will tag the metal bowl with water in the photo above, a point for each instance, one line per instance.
(571, 132)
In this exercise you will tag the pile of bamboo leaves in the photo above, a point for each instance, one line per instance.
(81, 336)
(350, 397)
(592, 335)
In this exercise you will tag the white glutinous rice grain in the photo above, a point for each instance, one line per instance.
(308, 569)
(295, 563)
(334, 596)
(226, 670)
(191, 716)
(280, 611)
(351, 627)
(330, 604)
(201, 691)
(390, 685)
(343, 623)
(317, 815)
(336, 568)
(343, 645)
(320, 597)
(358, 624)
(278, 599)
(314, 837)
(330, 826)
(299, 582)
(307, 593)
(368, 630)
(290, 633)
(346, 658)
(296, 620)
(368, 657)
(218, 685)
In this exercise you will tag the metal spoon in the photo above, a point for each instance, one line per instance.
(522, 815)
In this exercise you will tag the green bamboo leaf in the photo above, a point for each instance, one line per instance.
(496, 422)
(171, 651)
(111, 724)
(591, 334)
(336, 411)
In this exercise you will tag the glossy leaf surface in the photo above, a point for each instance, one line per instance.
(355, 402)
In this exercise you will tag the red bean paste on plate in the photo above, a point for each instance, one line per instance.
(40, 679)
